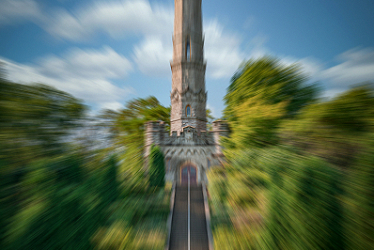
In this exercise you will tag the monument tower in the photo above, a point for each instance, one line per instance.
(188, 148)
(188, 96)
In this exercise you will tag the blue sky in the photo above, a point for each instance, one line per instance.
(109, 52)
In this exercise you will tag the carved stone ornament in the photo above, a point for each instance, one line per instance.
(189, 135)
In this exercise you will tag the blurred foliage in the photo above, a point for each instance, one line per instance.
(57, 195)
(127, 127)
(299, 171)
(65, 206)
(35, 119)
(156, 168)
(335, 130)
(360, 200)
(255, 125)
(305, 210)
(273, 81)
(261, 94)
(276, 199)
(210, 118)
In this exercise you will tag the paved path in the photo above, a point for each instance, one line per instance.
(179, 226)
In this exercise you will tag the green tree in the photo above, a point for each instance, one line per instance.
(55, 197)
(128, 132)
(360, 200)
(335, 130)
(156, 168)
(110, 187)
(305, 211)
(261, 94)
(273, 81)
(210, 119)
(304, 166)
(34, 121)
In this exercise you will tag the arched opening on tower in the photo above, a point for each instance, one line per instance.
(188, 111)
(188, 50)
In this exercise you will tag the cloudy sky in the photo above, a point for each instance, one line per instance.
(109, 52)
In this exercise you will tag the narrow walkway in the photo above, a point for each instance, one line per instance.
(179, 226)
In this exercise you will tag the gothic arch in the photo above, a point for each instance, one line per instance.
(188, 48)
(188, 110)
(186, 164)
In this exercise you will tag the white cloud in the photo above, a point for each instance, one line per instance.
(153, 56)
(111, 105)
(105, 63)
(331, 93)
(16, 10)
(84, 74)
(115, 18)
(222, 51)
(357, 65)
(121, 18)
(155, 24)
(310, 66)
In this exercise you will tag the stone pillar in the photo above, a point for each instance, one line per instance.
(152, 136)
(220, 128)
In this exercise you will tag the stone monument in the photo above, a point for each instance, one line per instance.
(188, 149)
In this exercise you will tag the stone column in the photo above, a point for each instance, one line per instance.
(220, 128)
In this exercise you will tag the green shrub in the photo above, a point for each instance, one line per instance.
(156, 168)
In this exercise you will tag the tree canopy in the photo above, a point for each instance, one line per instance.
(35, 120)
(261, 94)
(156, 168)
(55, 195)
(272, 81)
(128, 132)
(299, 171)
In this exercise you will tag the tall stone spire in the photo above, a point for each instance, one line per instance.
(189, 151)
(188, 96)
